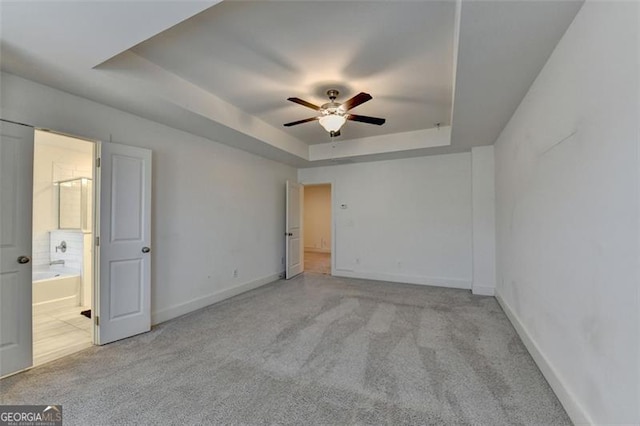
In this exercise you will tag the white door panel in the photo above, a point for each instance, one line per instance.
(16, 197)
(294, 247)
(125, 235)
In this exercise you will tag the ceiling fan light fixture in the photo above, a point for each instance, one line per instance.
(332, 122)
(333, 115)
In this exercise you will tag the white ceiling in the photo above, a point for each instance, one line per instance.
(98, 29)
(225, 73)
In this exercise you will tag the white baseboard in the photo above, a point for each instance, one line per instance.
(406, 279)
(317, 250)
(483, 290)
(175, 311)
(575, 410)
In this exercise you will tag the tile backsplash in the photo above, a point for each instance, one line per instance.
(73, 256)
(40, 249)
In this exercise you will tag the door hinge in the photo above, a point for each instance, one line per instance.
(98, 162)
(97, 320)
(97, 241)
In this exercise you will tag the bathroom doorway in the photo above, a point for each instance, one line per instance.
(317, 228)
(63, 245)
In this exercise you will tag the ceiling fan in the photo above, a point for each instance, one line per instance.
(334, 114)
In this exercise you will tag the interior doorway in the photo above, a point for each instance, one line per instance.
(62, 245)
(317, 229)
(103, 270)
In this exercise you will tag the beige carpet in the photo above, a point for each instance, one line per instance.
(312, 350)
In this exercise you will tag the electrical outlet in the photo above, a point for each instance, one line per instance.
(235, 273)
(282, 260)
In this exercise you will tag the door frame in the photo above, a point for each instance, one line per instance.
(97, 190)
(95, 261)
(332, 185)
(299, 189)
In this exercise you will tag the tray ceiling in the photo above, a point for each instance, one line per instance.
(223, 71)
(255, 55)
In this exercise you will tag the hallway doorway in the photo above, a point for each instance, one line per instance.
(317, 228)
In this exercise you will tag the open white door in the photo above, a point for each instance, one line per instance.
(294, 248)
(16, 199)
(124, 305)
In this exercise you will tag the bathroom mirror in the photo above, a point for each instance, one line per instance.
(74, 204)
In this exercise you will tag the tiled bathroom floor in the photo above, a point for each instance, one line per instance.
(60, 333)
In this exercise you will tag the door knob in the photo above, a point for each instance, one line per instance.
(24, 259)
(146, 249)
(288, 234)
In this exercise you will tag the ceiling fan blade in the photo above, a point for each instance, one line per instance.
(358, 99)
(366, 119)
(306, 120)
(304, 103)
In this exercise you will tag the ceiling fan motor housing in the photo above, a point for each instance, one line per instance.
(332, 94)
(332, 107)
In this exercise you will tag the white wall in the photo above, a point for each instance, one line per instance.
(484, 226)
(568, 216)
(317, 218)
(215, 208)
(403, 220)
(87, 269)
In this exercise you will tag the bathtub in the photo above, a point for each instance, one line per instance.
(56, 288)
